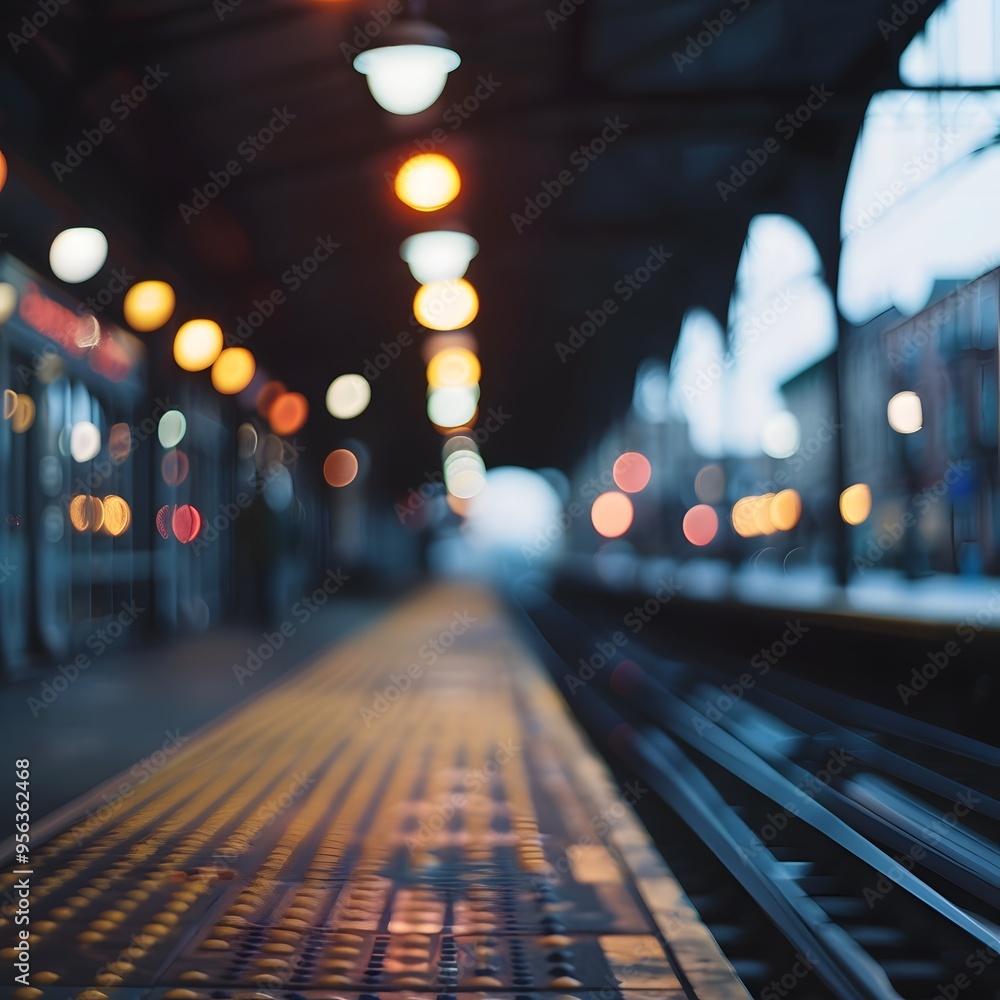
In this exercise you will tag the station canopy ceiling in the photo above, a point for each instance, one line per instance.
(608, 150)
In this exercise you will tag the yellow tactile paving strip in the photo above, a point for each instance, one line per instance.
(413, 814)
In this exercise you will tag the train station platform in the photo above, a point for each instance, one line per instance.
(412, 813)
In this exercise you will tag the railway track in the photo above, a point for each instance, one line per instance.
(865, 838)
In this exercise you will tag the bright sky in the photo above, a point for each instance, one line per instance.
(922, 199)
(922, 203)
(781, 320)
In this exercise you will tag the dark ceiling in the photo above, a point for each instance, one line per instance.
(558, 71)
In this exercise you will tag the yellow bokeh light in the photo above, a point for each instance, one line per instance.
(148, 305)
(743, 522)
(785, 510)
(232, 370)
(428, 182)
(454, 367)
(446, 305)
(761, 514)
(117, 516)
(856, 503)
(86, 513)
(24, 414)
(197, 344)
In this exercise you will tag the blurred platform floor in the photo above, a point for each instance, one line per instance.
(120, 710)
(413, 813)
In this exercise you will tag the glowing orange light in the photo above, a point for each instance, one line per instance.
(446, 305)
(453, 367)
(428, 182)
(3, 170)
(611, 514)
(86, 513)
(185, 523)
(268, 393)
(340, 467)
(174, 467)
(119, 442)
(288, 413)
(856, 503)
(785, 510)
(148, 305)
(700, 525)
(631, 472)
(197, 344)
(117, 516)
(232, 371)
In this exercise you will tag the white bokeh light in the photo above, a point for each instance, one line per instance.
(781, 435)
(464, 472)
(84, 441)
(443, 255)
(452, 407)
(517, 508)
(407, 79)
(905, 413)
(78, 254)
(8, 301)
(171, 429)
(348, 396)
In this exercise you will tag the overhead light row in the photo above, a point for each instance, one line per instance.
(407, 71)
(77, 254)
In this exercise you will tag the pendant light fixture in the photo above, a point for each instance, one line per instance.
(408, 65)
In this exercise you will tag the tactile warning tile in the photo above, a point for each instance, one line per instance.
(412, 815)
